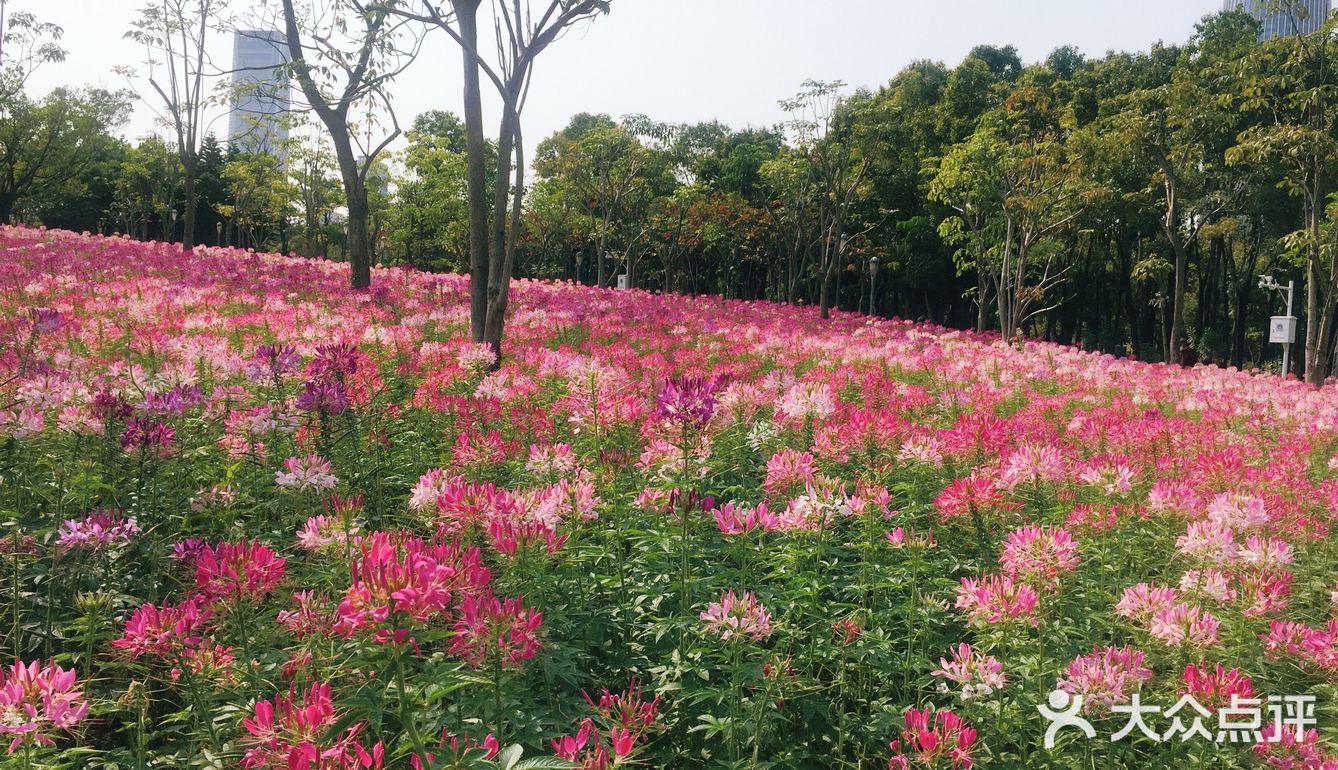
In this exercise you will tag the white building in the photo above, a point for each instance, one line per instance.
(260, 95)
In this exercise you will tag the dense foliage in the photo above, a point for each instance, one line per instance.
(251, 517)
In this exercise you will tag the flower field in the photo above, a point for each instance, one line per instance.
(250, 518)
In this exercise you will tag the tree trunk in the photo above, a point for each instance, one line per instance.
(188, 163)
(476, 150)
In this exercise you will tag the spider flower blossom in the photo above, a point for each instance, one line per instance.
(148, 436)
(36, 701)
(1238, 512)
(734, 519)
(495, 630)
(931, 737)
(1216, 687)
(1185, 624)
(979, 675)
(1208, 542)
(163, 632)
(461, 747)
(411, 579)
(310, 615)
(1140, 602)
(312, 472)
(1039, 554)
(1106, 677)
(290, 734)
(687, 400)
(996, 599)
(233, 572)
(323, 531)
(96, 531)
(788, 469)
(737, 615)
(324, 396)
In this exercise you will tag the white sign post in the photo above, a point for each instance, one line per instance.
(1282, 328)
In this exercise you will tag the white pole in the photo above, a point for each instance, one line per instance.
(1287, 346)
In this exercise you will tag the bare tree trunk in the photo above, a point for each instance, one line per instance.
(466, 12)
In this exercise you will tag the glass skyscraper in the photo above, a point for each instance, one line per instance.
(1297, 17)
(260, 96)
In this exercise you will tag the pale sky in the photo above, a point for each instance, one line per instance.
(692, 60)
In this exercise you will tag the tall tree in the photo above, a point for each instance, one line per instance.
(344, 70)
(50, 144)
(522, 31)
(175, 35)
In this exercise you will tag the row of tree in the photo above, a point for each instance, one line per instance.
(1126, 203)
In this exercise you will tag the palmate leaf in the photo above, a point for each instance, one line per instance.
(509, 759)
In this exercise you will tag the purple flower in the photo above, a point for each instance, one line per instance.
(96, 530)
(146, 435)
(108, 405)
(318, 396)
(46, 320)
(335, 361)
(188, 550)
(690, 400)
(175, 401)
(272, 361)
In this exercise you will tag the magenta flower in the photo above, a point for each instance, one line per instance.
(288, 734)
(996, 599)
(737, 615)
(931, 737)
(163, 632)
(235, 572)
(37, 701)
(1215, 687)
(144, 435)
(96, 531)
(687, 400)
(493, 630)
(400, 583)
(1106, 677)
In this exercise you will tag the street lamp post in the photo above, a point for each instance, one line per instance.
(1282, 328)
(172, 236)
(873, 284)
(218, 233)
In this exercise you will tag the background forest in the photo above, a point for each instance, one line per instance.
(1125, 204)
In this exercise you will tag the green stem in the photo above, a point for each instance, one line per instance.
(406, 711)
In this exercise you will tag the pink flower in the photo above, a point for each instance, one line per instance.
(1142, 601)
(36, 701)
(398, 583)
(1208, 542)
(688, 400)
(734, 519)
(975, 494)
(944, 735)
(459, 746)
(492, 630)
(1264, 552)
(737, 615)
(306, 473)
(163, 632)
(323, 531)
(287, 734)
(234, 572)
(311, 615)
(1239, 512)
(1214, 687)
(96, 530)
(789, 469)
(1106, 677)
(1184, 624)
(979, 675)
(1285, 751)
(1039, 555)
(996, 599)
